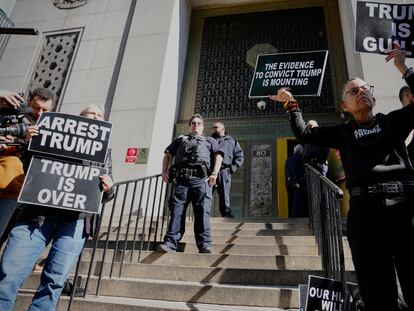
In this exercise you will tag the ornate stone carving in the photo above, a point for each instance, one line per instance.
(69, 4)
(224, 74)
(261, 181)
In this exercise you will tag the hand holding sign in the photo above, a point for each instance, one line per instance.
(283, 95)
(399, 57)
(106, 182)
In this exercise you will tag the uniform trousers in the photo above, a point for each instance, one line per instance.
(197, 191)
(380, 232)
(223, 189)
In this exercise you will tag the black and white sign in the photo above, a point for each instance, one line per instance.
(72, 137)
(302, 72)
(324, 294)
(63, 185)
(379, 24)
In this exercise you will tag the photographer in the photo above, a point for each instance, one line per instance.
(12, 156)
(11, 170)
(36, 227)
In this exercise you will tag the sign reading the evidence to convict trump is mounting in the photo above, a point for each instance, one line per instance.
(72, 137)
(379, 24)
(302, 72)
(64, 185)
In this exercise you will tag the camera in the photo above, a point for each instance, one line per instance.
(261, 105)
(11, 120)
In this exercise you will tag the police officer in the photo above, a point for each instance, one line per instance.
(197, 162)
(232, 160)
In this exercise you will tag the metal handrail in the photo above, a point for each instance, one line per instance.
(324, 206)
(152, 203)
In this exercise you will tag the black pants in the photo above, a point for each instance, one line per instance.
(223, 189)
(381, 237)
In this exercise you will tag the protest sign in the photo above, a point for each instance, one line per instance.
(72, 137)
(324, 294)
(379, 24)
(302, 72)
(63, 185)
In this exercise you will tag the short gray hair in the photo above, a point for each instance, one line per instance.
(90, 107)
(298, 149)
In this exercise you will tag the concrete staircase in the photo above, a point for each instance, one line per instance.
(254, 265)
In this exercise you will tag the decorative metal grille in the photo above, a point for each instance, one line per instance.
(69, 4)
(4, 38)
(224, 74)
(55, 61)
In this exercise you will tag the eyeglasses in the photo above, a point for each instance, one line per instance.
(214, 127)
(366, 88)
(196, 123)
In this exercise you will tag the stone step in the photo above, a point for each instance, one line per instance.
(264, 296)
(112, 303)
(234, 276)
(219, 225)
(201, 292)
(220, 232)
(221, 248)
(235, 239)
(213, 220)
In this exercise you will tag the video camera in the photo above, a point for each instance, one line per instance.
(11, 120)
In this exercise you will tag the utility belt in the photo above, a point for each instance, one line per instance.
(187, 172)
(406, 187)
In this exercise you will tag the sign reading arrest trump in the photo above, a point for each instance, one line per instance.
(302, 72)
(64, 185)
(72, 137)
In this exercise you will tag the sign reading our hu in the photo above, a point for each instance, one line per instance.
(302, 72)
(63, 185)
(379, 24)
(72, 137)
(324, 294)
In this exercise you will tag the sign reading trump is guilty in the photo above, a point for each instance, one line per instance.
(72, 137)
(379, 24)
(302, 72)
(62, 184)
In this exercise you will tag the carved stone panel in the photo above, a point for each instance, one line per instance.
(228, 43)
(261, 181)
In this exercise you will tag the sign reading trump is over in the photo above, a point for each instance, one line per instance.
(62, 184)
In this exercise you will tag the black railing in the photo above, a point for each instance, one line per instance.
(324, 202)
(139, 206)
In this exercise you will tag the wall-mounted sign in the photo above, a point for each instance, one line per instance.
(142, 156)
(131, 155)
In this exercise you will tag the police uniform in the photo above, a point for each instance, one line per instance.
(193, 160)
(380, 179)
(232, 160)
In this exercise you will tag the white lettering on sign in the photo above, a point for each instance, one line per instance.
(65, 199)
(69, 170)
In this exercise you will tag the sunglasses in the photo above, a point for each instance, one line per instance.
(196, 123)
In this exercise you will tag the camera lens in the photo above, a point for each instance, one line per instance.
(18, 130)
